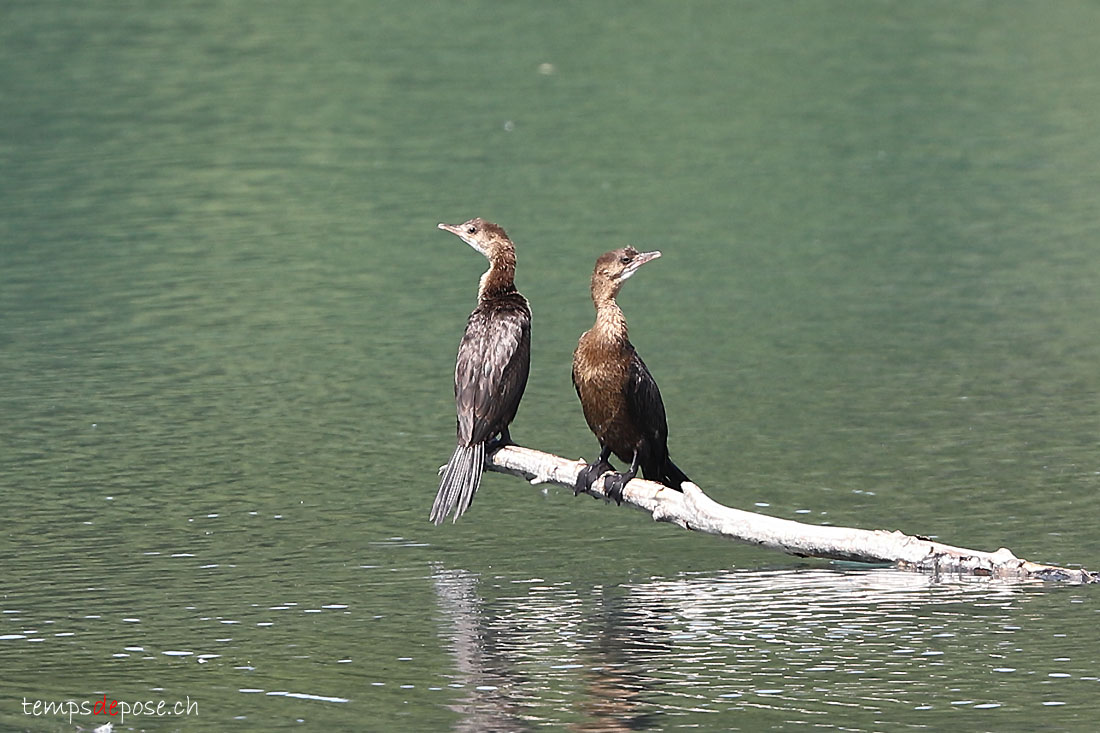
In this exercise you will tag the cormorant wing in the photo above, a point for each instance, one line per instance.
(643, 401)
(491, 371)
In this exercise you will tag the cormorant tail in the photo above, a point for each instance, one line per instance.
(672, 476)
(461, 479)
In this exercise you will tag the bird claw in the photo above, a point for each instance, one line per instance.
(615, 484)
(583, 482)
(589, 475)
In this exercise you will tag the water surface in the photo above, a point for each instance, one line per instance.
(228, 324)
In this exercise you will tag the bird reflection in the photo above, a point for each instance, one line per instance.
(609, 644)
(489, 703)
(616, 679)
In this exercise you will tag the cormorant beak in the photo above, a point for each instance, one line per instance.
(458, 231)
(639, 259)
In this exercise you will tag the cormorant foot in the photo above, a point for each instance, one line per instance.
(615, 485)
(499, 442)
(589, 474)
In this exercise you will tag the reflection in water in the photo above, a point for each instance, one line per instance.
(772, 646)
(615, 678)
(489, 703)
(489, 653)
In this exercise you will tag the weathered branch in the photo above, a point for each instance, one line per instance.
(692, 509)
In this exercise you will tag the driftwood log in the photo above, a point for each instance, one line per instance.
(692, 509)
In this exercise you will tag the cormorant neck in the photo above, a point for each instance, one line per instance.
(610, 321)
(499, 279)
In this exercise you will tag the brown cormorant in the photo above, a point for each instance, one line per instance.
(621, 402)
(494, 358)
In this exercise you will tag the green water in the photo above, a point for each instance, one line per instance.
(228, 325)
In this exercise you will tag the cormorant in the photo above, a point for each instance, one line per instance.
(494, 358)
(621, 402)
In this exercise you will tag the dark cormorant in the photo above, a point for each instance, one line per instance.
(619, 396)
(491, 371)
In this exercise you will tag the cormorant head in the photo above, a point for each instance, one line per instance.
(615, 267)
(484, 236)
